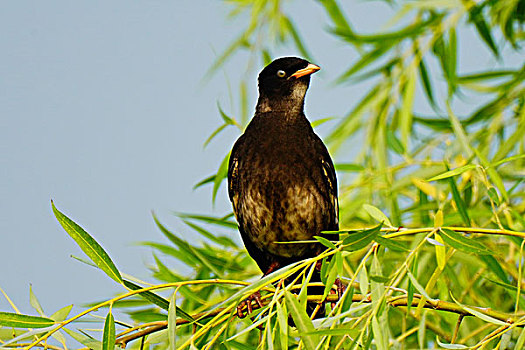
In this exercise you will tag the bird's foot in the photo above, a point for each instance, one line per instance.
(255, 299)
(340, 289)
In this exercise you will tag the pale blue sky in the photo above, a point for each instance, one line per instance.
(103, 109)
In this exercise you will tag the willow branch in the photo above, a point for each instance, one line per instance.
(398, 301)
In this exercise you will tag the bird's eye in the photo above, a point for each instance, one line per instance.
(281, 73)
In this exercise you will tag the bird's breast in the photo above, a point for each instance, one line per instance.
(282, 208)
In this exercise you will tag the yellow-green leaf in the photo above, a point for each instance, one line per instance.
(453, 172)
(8, 319)
(460, 242)
(88, 245)
(172, 323)
(360, 239)
(440, 252)
(302, 322)
(108, 338)
(377, 214)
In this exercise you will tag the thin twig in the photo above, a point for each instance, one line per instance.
(398, 301)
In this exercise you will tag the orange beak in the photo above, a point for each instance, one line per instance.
(310, 68)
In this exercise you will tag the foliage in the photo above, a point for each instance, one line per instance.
(445, 266)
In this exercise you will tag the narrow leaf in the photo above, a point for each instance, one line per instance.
(172, 323)
(220, 176)
(325, 242)
(108, 338)
(418, 286)
(405, 114)
(460, 204)
(148, 295)
(440, 252)
(377, 214)
(348, 167)
(34, 302)
(61, 314)
(451, 346)
(302, 322)
(360, 239)
(8, 319)
(480, 314)
(425, 79)
(88, 245)
(453, 172)
(391, 244)
(460, 242)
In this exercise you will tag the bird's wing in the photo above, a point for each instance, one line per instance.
(331, 180)
(233, 174)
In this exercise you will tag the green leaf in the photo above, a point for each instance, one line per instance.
(360, 239)
(208, 140)
(325, 242)
(302, 322)
(480, 314)
(209, 179)
(363, 62)
(227, 120)
(299, 43)
(459, 132)
(172, 323)
(460, 204)
(334, 270)
(88, 245)
(460, 242)
(391, 244)
(483, 76)
(377, 214)
(495, 267)
(411, 288)
(363, 280)
(493, 194)
(476, 16)
(34, 302)
(221, 240)
(83, 339)
(349, 167)
(405, 114)
(418, 286)
(393, 142)
(520, 343)
(148, 295)
(222, 173)
(61, 314)
(108, 338)
(210, 220)
(8, 319)
(451, 346)
(321, 121)
(493, 174)
(336, 15)
(352, 332)
(453, 172)
(379, 335)
(509, 159)
(425, 80)
(282, 318)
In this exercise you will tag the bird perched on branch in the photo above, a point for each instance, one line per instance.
(281, 179)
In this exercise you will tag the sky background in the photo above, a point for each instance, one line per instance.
(104, 109)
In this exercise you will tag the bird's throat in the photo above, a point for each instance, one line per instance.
(293, 105)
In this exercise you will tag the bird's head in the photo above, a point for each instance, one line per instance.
(283, 84)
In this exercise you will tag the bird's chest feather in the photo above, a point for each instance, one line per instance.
(280, 200)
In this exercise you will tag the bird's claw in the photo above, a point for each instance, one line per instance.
(340, 289)
(255, 297)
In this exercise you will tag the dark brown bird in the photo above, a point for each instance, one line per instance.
(281, 179)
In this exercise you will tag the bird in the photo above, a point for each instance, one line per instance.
(281, 178)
